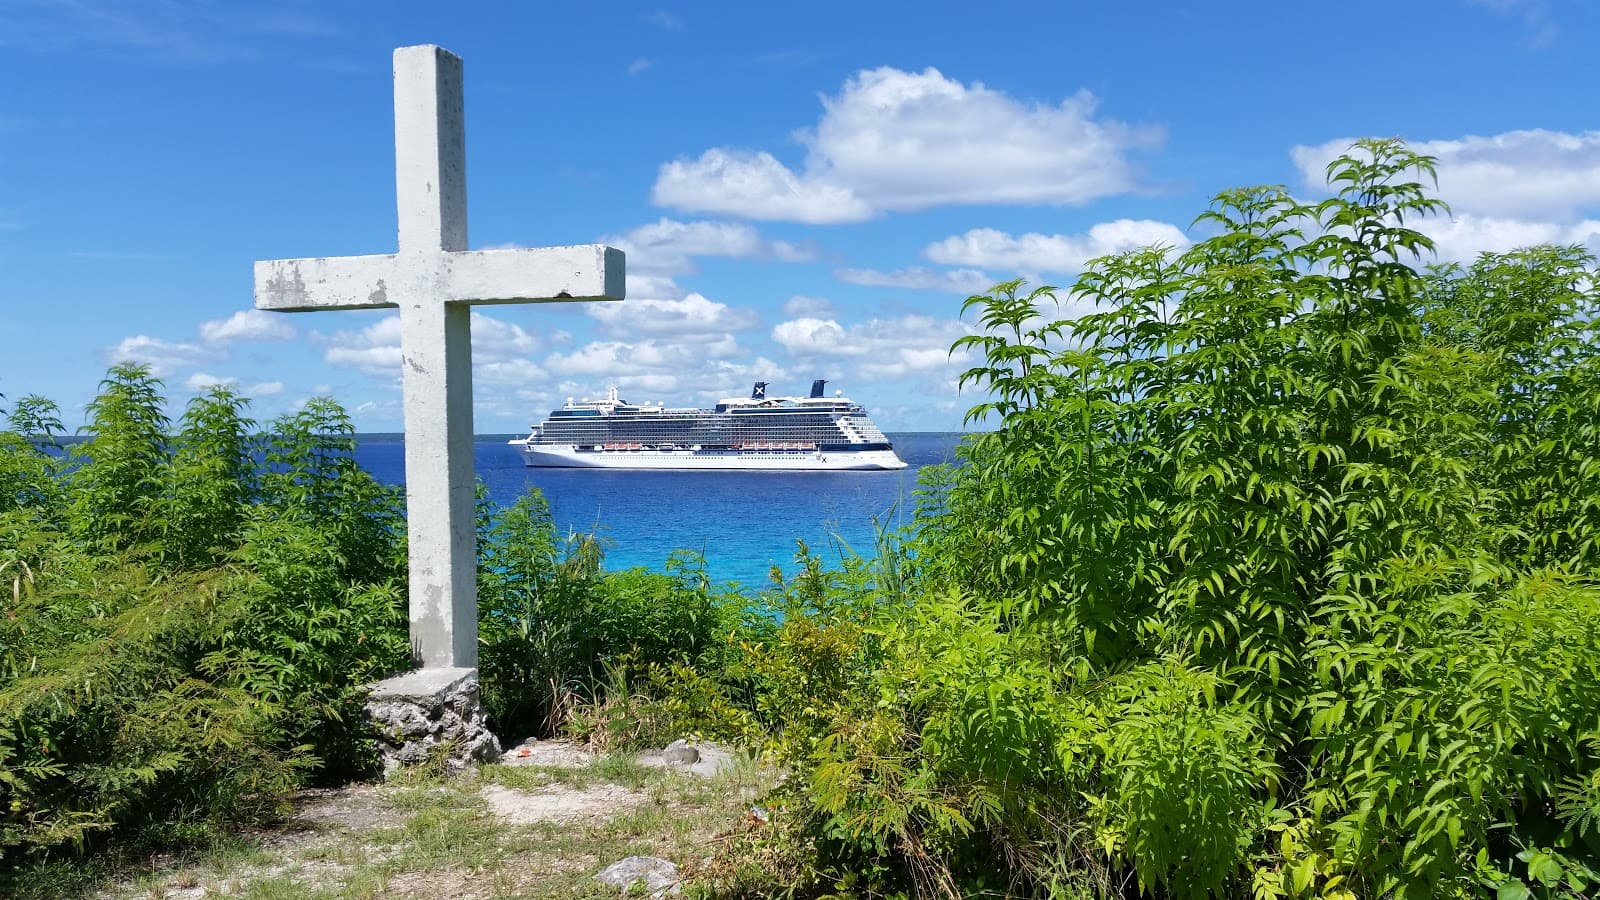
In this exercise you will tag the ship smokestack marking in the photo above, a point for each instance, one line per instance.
(817, 387)
(759, 392)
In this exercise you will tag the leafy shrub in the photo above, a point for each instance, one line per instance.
(1277, 578)
(658, 617)
(106, 721)
(310, 639)
(811, 650)
(532, 590)
(310, 475)
(555, 630)
(211, 480)
(644, 706)
(186, 634)
(119, 475)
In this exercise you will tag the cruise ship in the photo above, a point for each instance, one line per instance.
(761, 432)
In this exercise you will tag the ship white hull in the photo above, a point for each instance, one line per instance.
(569, 457)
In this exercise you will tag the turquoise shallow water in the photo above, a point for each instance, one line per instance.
(742, 521)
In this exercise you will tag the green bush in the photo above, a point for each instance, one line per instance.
(187, 631)
(28, 482)
(1277, 578)
(120, 471)
(211, 481)
(532, 589)
(555, 630)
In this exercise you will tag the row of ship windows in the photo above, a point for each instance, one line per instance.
(565, 428)
(791, 422)
(575, 436)
(700, 416)
(730, 451)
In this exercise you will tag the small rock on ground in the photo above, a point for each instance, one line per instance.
(681, 752)
(705, 759)
(660, 877)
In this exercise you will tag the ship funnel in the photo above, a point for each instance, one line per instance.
(817, 387)
(759, 392)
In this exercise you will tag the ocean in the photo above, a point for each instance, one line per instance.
(744, 522)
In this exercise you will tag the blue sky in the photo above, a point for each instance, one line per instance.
(804, 190)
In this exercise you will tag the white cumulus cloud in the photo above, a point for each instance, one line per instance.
(808, 336)
(516, 372)
(1532, 174)
(672, 371)
(631, 358)
(1035, 252)
(248, 325)
(675, 347)
(202, 381)
(669, 247)
(893, 140)
(160, 355)
(375, 349)
(900, 347)
(1505, 191)
(641, 285)
(1464, 236)
(693, 317)
(755, 186)
(495, 340)
(164, 356)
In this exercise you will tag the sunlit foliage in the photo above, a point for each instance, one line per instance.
(1276, 579)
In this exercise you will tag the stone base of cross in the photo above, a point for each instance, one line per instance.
(434, 280)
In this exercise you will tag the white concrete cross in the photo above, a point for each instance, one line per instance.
(434, 280)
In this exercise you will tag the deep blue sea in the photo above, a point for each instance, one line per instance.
(743, 522)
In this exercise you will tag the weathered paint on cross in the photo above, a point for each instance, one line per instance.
(434, 279)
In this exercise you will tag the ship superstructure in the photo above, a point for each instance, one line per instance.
(758, 432)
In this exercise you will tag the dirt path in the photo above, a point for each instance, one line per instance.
(539, 825)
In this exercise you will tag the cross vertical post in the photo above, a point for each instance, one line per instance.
(434, 280)
(436, 354)
(430, 150)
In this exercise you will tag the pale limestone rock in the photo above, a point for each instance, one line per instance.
(704, 759)
(680, 753)
(660, 877)
(428, 712)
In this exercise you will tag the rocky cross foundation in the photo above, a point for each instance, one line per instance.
(434, 281)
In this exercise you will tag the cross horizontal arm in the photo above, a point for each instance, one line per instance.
(538, 275)
(472, 277)
(336, 282)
